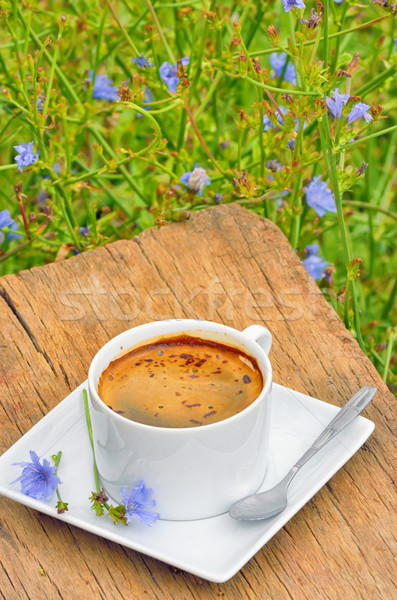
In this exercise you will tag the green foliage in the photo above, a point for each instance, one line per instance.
(118, 164)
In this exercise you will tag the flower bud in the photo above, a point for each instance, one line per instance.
(242, 65)
(235, 41)
(274, 38)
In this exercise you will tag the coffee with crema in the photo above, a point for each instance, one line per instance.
(181, 381)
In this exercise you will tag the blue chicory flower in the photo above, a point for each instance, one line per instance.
(218, 198)
(196, 180)
(291, 144)
(337, 103)
(273, 166)
(137, 501)
(84, 230)
(27, 156)
(338, 1)
(277, 62)
(103, 89)
(148, 97)
(39, 103)
(7, 221)
(359, 110)
(38, 480)
(288, 4)
(142, 62)
(314, 263)
(267, 123)
(319, 197)
(169, 74)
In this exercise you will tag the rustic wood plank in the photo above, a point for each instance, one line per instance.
(228, 265)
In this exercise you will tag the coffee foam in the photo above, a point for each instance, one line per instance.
(180, 381)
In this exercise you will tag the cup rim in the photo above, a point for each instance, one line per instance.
(164, 430)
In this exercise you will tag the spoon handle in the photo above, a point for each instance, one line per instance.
(346, 414)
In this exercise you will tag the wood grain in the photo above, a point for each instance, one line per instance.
(228, 265)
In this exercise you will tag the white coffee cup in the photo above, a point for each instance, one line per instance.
(195, 472)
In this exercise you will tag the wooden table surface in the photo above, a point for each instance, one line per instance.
(227, 265)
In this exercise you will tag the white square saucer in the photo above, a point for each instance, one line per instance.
(216, 548)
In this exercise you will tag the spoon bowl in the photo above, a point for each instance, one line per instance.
(271, 502)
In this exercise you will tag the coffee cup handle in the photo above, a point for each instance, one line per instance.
(261, 335)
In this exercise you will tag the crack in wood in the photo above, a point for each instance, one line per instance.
(65, 375)
(25, 326)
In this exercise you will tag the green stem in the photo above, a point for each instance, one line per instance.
(20, 42)
(260, 132)
(153, 122)
(372, 207)
(291, 24)
(371, 245)
(182, 129)
(98, 46)
(245, 12)
(339, 130)
(67, 145)
(166, 108)
(201, 50)
(315, 47)
(387, 171)
(6, 167)
(342, 225)
(301, 69)
(209, 94)
(200, 137)
(366, 138)
(281, 90)
(390, 301)
(256, 24)
(52, 69)
(239, 148)
(297, 200)
(346, 305)
(160, 30)
(326, 33)
(172, 175)
(89, 427)
(57, 459)
(180, 4)
(297, 204)
(15, 250)
(67, 220)
(123, 29)
(27, 32)
(375, 82)
(334, 60)
(389, 350)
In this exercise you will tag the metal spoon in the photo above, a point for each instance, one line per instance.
(273, 501)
